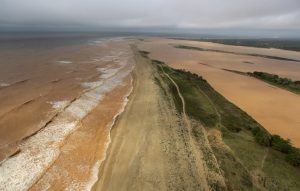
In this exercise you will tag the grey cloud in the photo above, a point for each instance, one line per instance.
(195, 14)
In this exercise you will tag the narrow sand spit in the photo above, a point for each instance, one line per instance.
(151, 147)
(66, 153)
(276, 109)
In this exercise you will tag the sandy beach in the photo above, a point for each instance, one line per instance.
(152, 147)
(276, 109)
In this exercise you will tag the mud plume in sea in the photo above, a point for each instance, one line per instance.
(57, 108)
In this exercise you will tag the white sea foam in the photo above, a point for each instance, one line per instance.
(64, 62)
(106, 72)
(109, 72)
(59, 104)
(107, 58)
(92, 84)
(95, 171)
(4, 84)
(41, 150)
(93, 177)
(104, 41)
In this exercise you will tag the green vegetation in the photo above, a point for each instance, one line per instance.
(293, 154)
(236, 53)
(293, 157)
(286, 44)
(213, 110)
(274, 79)
(176, 98)
(256, 159)
(203, 103)
(262, 136)
(280, 144)
(236, 71)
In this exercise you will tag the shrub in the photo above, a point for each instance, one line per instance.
(280, 144)
(294, 157)
(262, 136)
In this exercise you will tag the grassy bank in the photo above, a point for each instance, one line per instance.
(235, 53)
(256, 159)
(285, 44)
(293, 86)
(273, 79)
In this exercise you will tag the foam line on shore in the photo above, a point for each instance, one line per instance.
(95, 172)
(40, 151)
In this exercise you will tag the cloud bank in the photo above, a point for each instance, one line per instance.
(179, 14)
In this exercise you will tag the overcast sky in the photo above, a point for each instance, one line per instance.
(178, 14)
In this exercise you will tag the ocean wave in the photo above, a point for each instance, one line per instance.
(40, 151)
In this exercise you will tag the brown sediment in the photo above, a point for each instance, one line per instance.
(73, 164)
(18, 107)
(276, 109)
(15, 83)
(25, 104)
(86, 147)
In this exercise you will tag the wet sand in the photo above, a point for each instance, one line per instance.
(60, 125)
(276, 109)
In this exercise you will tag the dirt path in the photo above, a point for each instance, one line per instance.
(199, 155)
(151, 146)
(181, 98)
(264, 159)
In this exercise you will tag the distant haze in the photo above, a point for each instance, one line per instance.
(276, 17)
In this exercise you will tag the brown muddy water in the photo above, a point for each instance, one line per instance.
(58, 102)
(276, 109)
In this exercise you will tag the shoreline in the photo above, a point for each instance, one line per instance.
(107, 146)
(44, 150)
